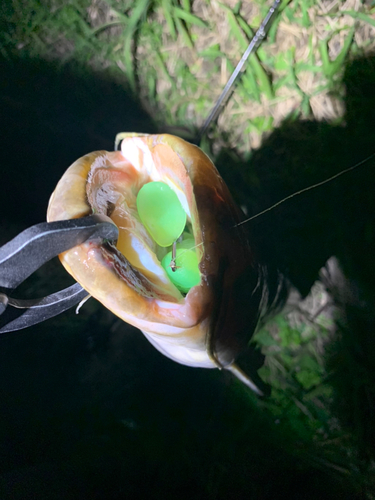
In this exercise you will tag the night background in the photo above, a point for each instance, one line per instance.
(89, 409)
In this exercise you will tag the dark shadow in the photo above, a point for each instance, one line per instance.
(50, 116)
(89, 408)
(336, 219)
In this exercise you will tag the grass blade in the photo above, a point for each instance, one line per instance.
(138, 11)
(188, 17)
(323, 49)
(337, 64)
(330, 68)
(240, 28)
(167, 9)
(163, 68)
(184, 33)
(361, 16)
(186, 5)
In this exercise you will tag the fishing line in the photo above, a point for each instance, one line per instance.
(187, 250)
(313, 186)
(306, 189)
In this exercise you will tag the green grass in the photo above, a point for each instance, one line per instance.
(178, 55)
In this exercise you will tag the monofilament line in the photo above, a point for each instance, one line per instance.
(306, 189)
(187, 250)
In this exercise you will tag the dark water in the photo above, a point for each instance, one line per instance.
(88, 408)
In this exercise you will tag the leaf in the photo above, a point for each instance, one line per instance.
(281, 82)
(250, 84)
(290, 336)
(360, 15)
(305, 105)
(211, 53)
(306, 23)
(340, 59)
(184, 33)
(330, 68)
(182, 111)
(263, 80)
(188, 17)
(186, 5)
(264, 338)
(239, 27)
(236, 30)
(308, 378)
(167, 10)
(139, 9)
(162, 66)
(245, 27)
(281, 63)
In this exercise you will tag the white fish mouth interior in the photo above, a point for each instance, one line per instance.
(116, 197)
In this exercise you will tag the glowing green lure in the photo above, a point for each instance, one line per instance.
(186, 273)
(161, 212)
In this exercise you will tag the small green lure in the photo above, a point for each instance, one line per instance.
(186, 273)
(161, 212)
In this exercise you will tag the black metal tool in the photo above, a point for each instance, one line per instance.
(30, 250)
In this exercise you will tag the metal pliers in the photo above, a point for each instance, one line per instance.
(30, 250)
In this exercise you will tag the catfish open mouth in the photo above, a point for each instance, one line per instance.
(200, 325)
(125, 192)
